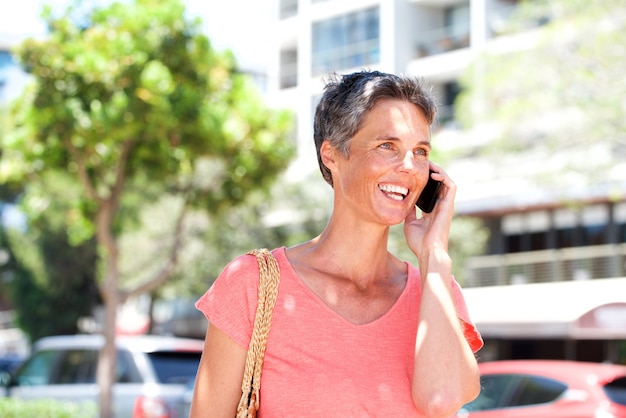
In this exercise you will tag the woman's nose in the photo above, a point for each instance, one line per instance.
(408, 162)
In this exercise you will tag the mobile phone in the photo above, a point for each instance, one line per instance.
(428, 198)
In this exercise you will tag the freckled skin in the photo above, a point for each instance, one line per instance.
(392, 147)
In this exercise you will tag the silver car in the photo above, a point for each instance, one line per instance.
(152, 372)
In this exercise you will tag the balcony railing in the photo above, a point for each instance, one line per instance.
(342, 57)
(503, 20)
(447, 38)
(576, 263)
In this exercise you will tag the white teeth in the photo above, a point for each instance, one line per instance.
(398, 192)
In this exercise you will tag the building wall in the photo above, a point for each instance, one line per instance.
(437, 40)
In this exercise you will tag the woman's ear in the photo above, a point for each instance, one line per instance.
(328, 153)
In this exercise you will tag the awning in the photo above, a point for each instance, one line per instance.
(589, 309)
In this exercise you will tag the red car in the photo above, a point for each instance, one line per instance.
(549, 389)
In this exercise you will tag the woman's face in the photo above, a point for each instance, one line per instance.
(388, 163)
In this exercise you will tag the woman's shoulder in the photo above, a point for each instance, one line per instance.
(238, 280)
(247, 263)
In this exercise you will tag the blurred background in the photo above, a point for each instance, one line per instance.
(530, 126)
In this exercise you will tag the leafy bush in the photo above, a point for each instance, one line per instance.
(44, 408)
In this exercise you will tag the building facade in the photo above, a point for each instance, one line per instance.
(551, 283)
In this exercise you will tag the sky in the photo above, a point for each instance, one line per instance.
(243, 26)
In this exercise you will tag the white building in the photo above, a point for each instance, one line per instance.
(434, 39)
(536, 240)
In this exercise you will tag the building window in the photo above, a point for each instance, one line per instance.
(347, 41)
(288, 8)
(595, 224)
(526, 232)
(288, 68)
(445, 112)
(567, 230)
(457, 20)
(620, 221)
(564, 228)
(453, 35)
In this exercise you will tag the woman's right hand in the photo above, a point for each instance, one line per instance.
(431, 230)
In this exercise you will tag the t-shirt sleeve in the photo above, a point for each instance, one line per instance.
(230, 303)
(470, 331)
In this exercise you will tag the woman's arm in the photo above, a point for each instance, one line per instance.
(445, 374)
(218, 382)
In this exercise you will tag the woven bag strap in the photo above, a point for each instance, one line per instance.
(269, 277)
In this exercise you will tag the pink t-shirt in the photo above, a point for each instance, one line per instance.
(317, 364)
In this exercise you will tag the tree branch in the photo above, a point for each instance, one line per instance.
(118, 185)
(90, 190)
(166, 272)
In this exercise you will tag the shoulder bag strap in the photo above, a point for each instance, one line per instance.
(269, 277)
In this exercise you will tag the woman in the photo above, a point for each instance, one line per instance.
(356, 332)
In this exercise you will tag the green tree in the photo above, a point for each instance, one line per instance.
(292, 213)
(559, 93)
(57, 280)
(131, 101)
(50, 282)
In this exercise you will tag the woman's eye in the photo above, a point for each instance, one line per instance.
(421, 151)
(385, 145)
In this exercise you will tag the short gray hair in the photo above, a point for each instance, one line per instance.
(348, 98)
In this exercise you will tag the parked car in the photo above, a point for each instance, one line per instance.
(9, 363)
(549, 389)
(185, 401)
(152, 372)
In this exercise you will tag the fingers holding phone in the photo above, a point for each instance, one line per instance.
(436, 201)
(440, 190)
(428, 198)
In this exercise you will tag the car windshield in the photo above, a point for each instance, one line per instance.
(174, 367)
(513, 390)
(616, 390)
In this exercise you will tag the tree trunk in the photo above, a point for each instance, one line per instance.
(153, 297)
(107, 361)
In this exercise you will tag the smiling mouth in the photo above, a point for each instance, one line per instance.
(395, 192)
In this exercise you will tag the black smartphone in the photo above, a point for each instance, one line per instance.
(428, 198)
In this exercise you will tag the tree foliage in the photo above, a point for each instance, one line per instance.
(293, 212)
(130, 101)
(556, 91)
(54, 282)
